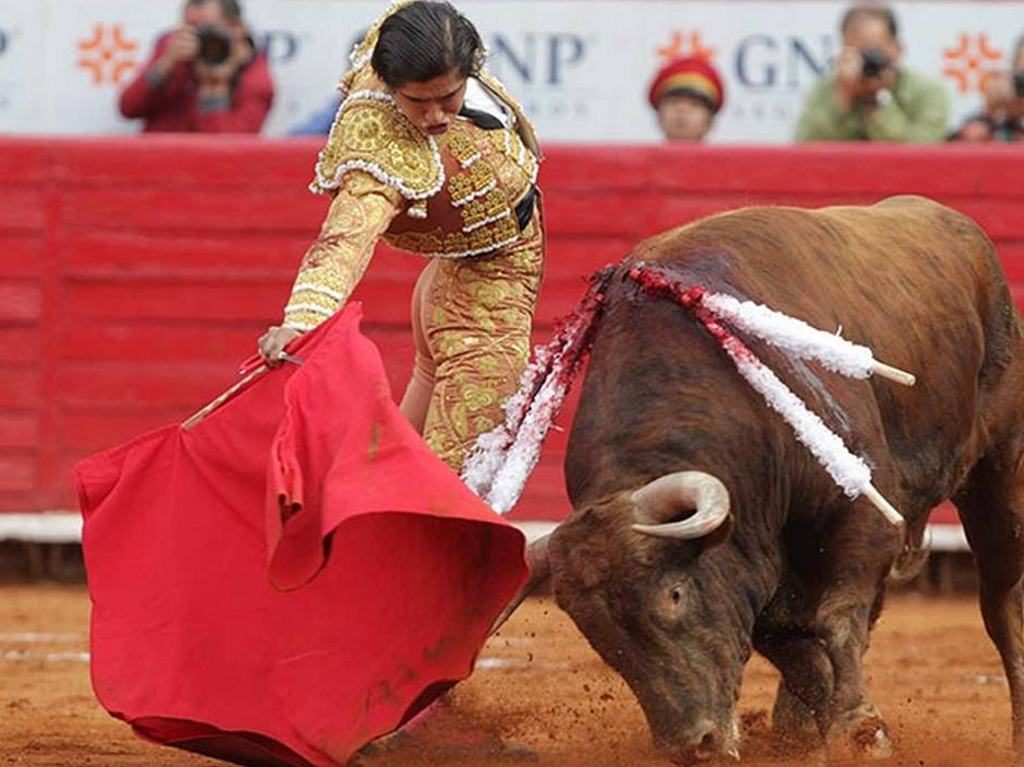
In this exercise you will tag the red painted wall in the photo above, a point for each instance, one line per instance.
(135, 274)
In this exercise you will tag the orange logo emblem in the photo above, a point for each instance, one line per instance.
(971, 62)
(684, 46)
(107, 55)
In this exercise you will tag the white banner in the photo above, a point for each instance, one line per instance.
(581, 67)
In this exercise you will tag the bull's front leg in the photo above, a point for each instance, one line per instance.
(804, 695)
(854, 723)
(858, 554)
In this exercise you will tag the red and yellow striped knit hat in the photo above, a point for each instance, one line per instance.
(693, 76)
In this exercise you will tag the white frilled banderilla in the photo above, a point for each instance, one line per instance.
(504, 457)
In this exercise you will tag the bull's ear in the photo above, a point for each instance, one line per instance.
(540, 573)
(685, 505)
(578, 548)
(537, 559)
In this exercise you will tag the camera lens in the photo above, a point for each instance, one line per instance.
(875, 61)
(214, 45)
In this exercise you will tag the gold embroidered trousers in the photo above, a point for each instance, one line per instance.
(472, 319)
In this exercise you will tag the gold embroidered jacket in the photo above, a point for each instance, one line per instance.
(447, 196)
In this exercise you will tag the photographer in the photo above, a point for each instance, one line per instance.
(870, 97)
(1002, 118)
(205, 76)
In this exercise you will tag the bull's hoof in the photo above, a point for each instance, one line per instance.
(873, 742)
(865, 739)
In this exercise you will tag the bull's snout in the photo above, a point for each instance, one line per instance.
(701, 744)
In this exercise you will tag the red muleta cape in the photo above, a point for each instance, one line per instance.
(294, 576)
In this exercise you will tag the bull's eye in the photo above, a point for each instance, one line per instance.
(672, 600)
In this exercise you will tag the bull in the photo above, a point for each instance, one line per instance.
(702, 530)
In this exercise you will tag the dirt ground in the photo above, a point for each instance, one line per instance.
(931, 669)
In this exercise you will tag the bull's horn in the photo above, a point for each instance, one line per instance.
(665, 497)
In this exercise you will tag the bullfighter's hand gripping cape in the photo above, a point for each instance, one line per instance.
(295, 575)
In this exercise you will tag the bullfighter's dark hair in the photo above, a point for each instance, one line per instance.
(231, 9)
(425, 40)
(883, 12)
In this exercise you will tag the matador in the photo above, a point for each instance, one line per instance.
(467, 200)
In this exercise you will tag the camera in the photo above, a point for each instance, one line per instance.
(1018, 83)
(875, 61)
(214, 45)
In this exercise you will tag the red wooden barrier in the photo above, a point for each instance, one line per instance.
(135, 273)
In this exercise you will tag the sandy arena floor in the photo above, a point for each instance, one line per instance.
(931, 669)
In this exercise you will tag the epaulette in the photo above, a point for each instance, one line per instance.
(371, 134)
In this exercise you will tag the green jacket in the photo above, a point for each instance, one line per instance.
(917, 112)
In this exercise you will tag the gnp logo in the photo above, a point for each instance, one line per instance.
(538, 65)
(971, 62)
(765, 62)
(760, 62)
(537, 58)
(107, 54)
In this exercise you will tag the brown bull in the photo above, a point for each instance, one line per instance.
(773, 556)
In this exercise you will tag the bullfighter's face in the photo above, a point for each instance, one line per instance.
(663, 613)
(432, 105)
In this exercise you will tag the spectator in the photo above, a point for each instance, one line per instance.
(871, 97)
(205, 76)
(686, 94)
(1002, 118)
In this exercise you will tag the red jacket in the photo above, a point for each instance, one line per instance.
(173, 106)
